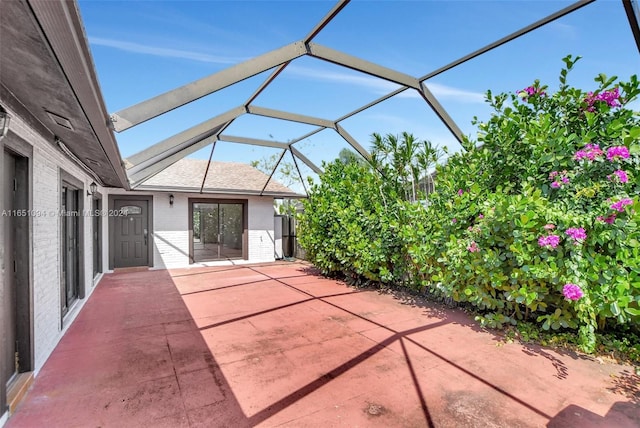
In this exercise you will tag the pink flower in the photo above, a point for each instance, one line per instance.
(619, 206)
(480, 217)
(454, 220)
(558, 179)
(460, 192)
(617, 152)
(590, 152)
(577, 233)
(610, 219)
(620, 176)
(610, 97)
(531, 91)
(473, 247)
(572, 292)
(549, 226)
(549, 241)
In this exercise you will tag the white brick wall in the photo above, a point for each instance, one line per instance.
(261, 234)
(171, 231)
(171, 228)
(46, 163)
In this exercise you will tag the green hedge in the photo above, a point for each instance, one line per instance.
(537, 219)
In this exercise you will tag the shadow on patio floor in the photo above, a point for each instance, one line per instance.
(278, 345)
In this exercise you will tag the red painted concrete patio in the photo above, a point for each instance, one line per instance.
(278, 345)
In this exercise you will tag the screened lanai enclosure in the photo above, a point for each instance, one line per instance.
(144, 144)
(287, 86)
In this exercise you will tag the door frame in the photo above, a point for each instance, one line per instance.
(245, 223)
(112, 229)
(66, 179)
(97, 202)
(15, 145)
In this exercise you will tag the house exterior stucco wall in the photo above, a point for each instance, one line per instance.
(171, 227)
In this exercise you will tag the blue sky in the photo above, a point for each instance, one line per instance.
(144, 48)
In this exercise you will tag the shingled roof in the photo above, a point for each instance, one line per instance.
(222, 177)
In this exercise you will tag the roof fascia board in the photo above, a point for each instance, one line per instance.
(141, 112)
(559, 14)
(204, 128)
(292, 117)
(253, 141)
(354, 63)
(140, 176)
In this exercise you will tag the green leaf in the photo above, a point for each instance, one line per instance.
(632, 311)
(546, 325)
(615, 310)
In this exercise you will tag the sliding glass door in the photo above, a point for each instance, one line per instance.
(217, 231)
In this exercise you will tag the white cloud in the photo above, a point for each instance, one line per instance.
(163, 52)
(377, 85)
(565, 30)
(383, 87)
(444, 91)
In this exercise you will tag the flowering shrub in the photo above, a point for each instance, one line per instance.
(536, 220)
(561, 242)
